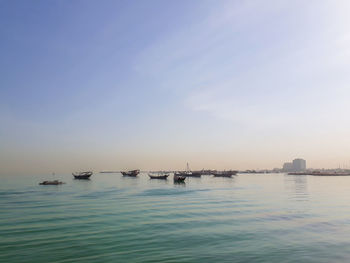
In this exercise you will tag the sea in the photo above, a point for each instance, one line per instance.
(111, 218)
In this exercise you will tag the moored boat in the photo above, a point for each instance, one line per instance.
(158, 176)
(132, 173)
(54, 182)
(197, 173)
(188, 173)
(184, 174)
(224, 173)
(82, 175)
(179, 178)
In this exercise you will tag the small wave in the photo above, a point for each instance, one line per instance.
(169, 192)
(99, 194)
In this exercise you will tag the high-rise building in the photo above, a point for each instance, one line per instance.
(299, 165)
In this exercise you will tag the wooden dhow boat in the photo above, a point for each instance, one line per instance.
(132, 173)
(224, 174)
(179, 178)
(54, 182)
(82, 175)
(159, 176)
(188, 173)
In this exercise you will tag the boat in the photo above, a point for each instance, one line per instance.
(179, 178)
(158, 176)
(82, 175)
(188, 173)
(224, 173)
(195, 174)
(183, 173)
(132, 173)
(54, 182)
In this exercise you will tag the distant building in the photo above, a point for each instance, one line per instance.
(299, 165)
(287, 167)
(276, 170)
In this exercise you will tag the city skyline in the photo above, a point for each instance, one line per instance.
(153, 85)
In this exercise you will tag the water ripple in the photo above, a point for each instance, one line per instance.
(113, 219)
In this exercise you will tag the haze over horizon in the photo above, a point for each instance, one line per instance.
(114, 85)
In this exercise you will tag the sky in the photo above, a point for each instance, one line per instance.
(117, 85)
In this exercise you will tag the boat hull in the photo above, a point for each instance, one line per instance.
(222, 175)
(55, 182)
(225, 174)
(133, 173)
(82, 176)
(179, 178)
(186, 174)
(161, 177)
(195, 174)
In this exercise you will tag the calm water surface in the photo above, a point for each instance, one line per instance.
(249, 218)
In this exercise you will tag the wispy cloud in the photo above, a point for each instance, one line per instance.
(271, 62)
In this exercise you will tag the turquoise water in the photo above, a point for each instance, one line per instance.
(249, 218)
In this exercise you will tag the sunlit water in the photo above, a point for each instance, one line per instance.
(249, 218)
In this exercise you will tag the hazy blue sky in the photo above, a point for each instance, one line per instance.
(155, 84)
